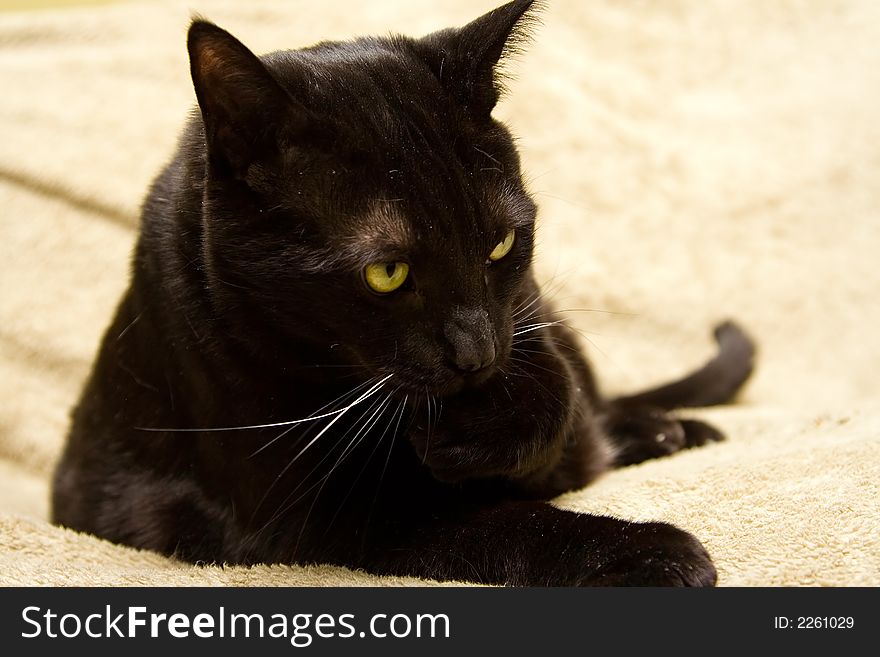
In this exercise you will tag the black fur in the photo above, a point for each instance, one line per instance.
(456, 403)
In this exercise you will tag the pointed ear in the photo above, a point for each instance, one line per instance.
(243, 108)
(468, 60)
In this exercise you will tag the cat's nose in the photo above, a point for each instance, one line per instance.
(471, 357)
(471, 340)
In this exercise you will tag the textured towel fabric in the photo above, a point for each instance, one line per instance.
(692, 161)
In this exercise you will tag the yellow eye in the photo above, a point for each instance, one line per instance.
(503, 247)
(385, 277)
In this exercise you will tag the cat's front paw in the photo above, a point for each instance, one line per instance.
(452, 462)
(455, 457)
(655, 554)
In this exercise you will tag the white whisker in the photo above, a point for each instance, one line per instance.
(398, 413)
(290, 463)
(401, 411)
(342, 397)
(352, 445)
(270, 425)
(534, 327)
(369, 393)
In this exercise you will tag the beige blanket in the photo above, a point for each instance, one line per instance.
(692, 161)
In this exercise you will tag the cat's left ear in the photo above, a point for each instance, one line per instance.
(467, 60)
(245, 111)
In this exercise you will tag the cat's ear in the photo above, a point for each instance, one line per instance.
(467, 60)
(243, 108)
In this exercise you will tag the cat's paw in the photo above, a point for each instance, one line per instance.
(450, 462)
(698, 433)
(456, 456)
(655, 554)
(641, 433)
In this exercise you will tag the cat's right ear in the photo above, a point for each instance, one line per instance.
(468, 61)
(243, 107)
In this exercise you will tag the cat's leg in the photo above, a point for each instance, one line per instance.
(637, 431)
(147, 511)
(522, 543)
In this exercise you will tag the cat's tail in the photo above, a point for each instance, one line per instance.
(716, 382)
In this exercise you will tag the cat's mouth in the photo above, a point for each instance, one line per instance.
(441, 384)
(467, 381)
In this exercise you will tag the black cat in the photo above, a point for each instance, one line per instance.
(333, 348)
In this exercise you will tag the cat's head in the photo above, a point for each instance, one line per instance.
(360, 196)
